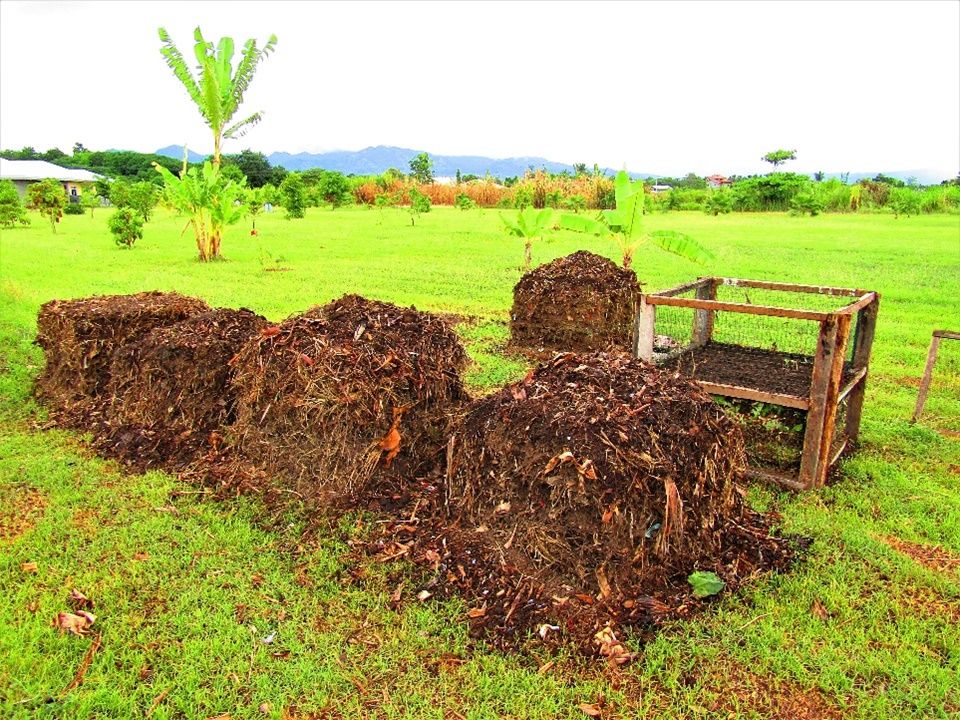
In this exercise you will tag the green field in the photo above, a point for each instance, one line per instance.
(186, 588)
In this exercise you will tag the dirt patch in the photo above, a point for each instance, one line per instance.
(80, 337)
(580, 302)
(926, 602)
(343, 392)
(736, 690)
(170, 395)
(931, 557)
(583, 496)
(20, 509)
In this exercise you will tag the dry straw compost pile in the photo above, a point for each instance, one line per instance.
(585, 495)
(580, 302)
(332, 397)
(80, 337)
(169, 393)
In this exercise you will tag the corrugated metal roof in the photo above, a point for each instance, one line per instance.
(41, 170)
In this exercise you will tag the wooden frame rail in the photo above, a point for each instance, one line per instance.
(938, 335)
(833, 380)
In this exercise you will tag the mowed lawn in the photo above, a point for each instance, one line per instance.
(213, 608)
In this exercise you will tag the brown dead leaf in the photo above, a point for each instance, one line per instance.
(502, 508)
(477, 612)
(306, 359)
(518, 392)
(424, 595)
(588, 599)
(611, 648)
(271, 331)
(396, 596)
(281, 654)
(545, 668)
(78, 601)
(256, 580)
(390, 444)
(591, 709)
(602, 581)
(28, 567)
(141, 556)
(76, 624)
(819, 609)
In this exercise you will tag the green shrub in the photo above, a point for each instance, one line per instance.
(294, 196)
(48, 197)
(904, 201)
(719, 201)
(806, 202)
(74, 209)
(12, 211)
(419, 203)
(464, 202)
(127, 227)
(523, 197)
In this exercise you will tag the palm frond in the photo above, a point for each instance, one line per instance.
(682, 245)
(240, 129)
(178, 65)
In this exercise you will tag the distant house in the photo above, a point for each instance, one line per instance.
(25, 172)
(656, 189)
(716, 181)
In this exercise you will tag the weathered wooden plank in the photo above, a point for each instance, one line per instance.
(831, 401)
(703, 319)
(792, 287)
(862, 345)
(927, 376)
(817, 412)
(746, 393)
(644, 331)
(859, 304)
(686, 287)
(698, 304)
(776, 477)
(947, 334)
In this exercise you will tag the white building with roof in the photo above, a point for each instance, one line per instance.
(24, 172)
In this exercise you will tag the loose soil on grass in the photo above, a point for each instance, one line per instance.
(342, 393)
(931, 557)
(169, 395)
(80, 337)
(580, 302)
(20, 508)
(583, 497)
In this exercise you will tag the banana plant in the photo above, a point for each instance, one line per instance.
(210, 200)
(529, 225)
(625, 224)
(217, 91)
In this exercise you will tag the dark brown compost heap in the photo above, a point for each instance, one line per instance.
(80, 337)
(329, 397)
(169, 391)
(580, 302)
(586, 494)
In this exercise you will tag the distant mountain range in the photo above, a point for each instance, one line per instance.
(375, 160)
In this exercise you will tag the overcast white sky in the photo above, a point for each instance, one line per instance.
(663, 88)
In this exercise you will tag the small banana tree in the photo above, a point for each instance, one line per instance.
(625, 224)
(217, 90)
(210, 200)
(529, 225)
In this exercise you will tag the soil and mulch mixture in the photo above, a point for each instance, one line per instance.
(579, 501)
(578, 303)
(169, 395)
(564, 507)
(80, 337)
(342, 393)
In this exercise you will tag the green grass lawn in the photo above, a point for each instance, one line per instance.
(187, 588)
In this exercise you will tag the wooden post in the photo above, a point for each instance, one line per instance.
(832, 399)
(703, 319)
(644, 330)
(862, 344)
(810, 470)
(927, 376)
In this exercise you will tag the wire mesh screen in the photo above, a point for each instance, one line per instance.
(773, 435)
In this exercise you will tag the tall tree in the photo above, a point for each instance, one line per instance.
(49, 197)
(779, 157)
(217, 90)
(421, 168)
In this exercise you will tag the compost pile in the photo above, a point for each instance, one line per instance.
(584, 496)
(80, 338)
(345, 392)
(169, 393)
(580, 302)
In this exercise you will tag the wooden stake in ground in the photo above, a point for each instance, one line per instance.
(928, 370)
